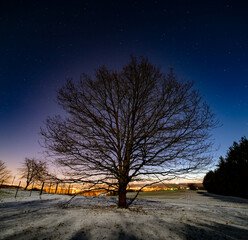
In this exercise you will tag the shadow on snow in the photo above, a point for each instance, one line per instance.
(224, 198)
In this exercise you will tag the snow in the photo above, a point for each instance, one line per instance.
(188, 215)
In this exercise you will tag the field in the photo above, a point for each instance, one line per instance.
(155, 215)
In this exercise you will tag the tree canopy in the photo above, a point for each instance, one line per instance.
(33, 170)
(137, 124)
(4, 172)
(231, 176)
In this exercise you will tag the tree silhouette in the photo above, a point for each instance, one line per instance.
(4, 172)
(33, 170)
(134, 125)
(230, 178)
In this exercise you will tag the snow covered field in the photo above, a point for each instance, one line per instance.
(186, 215)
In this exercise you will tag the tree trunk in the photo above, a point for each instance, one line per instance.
(122, 196)
(27, 184)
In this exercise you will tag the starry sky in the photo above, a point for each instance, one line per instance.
(42, 43)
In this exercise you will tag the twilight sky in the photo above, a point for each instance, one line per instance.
(42, 43)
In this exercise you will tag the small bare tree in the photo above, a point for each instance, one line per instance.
(134, 125)
(33, 170)
(4, 172)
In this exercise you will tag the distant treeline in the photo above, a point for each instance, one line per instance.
(231, 176)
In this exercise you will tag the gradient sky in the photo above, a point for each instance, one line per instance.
(42, 43)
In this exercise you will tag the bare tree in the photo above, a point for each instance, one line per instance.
(33, 170)
(4, 172)
(134, 125)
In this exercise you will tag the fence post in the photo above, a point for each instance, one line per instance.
(61, 189)
(17, 189)
(42, 188)
(56, 188)
(50, 187)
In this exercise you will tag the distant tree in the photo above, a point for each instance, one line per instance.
(231, 176)
(33, 170)
(134, 125)
(192, 186)
(4, 172)
(208, 181)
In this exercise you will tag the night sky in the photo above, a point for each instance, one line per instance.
(45, 42)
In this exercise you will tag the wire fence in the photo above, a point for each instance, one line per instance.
(41, 187)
